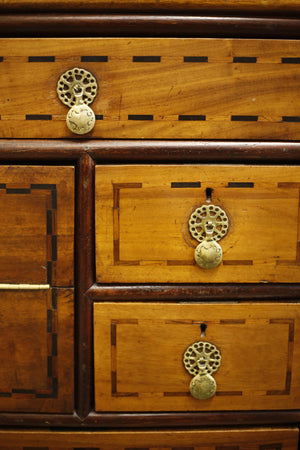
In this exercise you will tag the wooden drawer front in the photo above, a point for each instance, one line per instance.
(220, 439)
(36, 334)
(155, 88)
(37, 225)
(142, 216)
(139, 350)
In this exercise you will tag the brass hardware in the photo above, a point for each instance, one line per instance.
(201, 359)
(208, 224)
(77, 88)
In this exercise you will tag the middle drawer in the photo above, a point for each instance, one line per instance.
(151, 219)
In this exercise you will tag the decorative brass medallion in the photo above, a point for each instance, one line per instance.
(77, 88)
(201, 359)
(208, 224)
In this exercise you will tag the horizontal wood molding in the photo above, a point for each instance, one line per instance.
(146, 420)
(150, 5)
(256, 438)
(190, 292)
(121, 151)
(147, 25)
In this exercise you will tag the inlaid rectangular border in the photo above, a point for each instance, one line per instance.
(52, 372)
(288, 377)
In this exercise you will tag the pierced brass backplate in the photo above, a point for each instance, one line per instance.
(77, 88)
(208, 224)
(201, 359)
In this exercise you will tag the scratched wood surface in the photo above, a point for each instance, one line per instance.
(139, 350)
(260, 5)
(143, 211)
(37, 225)
(36, 333)
(248, 439)
(155, 88)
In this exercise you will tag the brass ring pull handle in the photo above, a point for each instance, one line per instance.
(201, 359)
(208, 224)
(77, 88)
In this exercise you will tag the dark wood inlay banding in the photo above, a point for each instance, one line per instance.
(140, 117)
(195, 59)
(38, 117)
(244, 59)
(41, 58)
(291, 119)
(191, 117)
(155, 59)
(239, 184)
(244, 118)
(187, 184)
(94, 58)
(290, 60)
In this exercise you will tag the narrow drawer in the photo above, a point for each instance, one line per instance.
(37, 225)
(155, 88)
(37, 346)
(219, 439)
(36, 258)
(139, 356)
(143, 230)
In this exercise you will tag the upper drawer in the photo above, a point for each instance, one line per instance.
(155, 88)
(145, 224)
(37, 225)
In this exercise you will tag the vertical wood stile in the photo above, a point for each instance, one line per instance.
(85, 266)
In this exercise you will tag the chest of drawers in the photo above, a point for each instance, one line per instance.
(107, 321)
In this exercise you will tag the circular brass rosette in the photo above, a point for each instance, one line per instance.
(77, 82)
(201, 359)
(208, 224)
(201, 356)
(77, 88)
(208, 216)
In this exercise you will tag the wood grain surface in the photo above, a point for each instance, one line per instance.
(37, 339)
(37, 227)
(65, 24)
(155, 88)
(139, 350)
(142, 215)
(248, 439)
(247, 5)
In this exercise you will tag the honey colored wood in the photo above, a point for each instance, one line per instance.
(244, 5)
(142, 232)
(222, 95)
(252, 438)
(37, 339)
(37, 225)
(139, 349)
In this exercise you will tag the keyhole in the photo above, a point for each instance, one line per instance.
(203, 327)
(208, 193)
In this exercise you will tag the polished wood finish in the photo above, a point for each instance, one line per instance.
(161, 88)
(139, 349)
(166, 5)
(198, 291)
(252, 438)
(85, 269)
(36, 373)
(37, 229)
(105, 151)
(142, 216)
(147, 25)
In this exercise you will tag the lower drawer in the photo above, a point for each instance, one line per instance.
(252, 353)
(231, 439)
